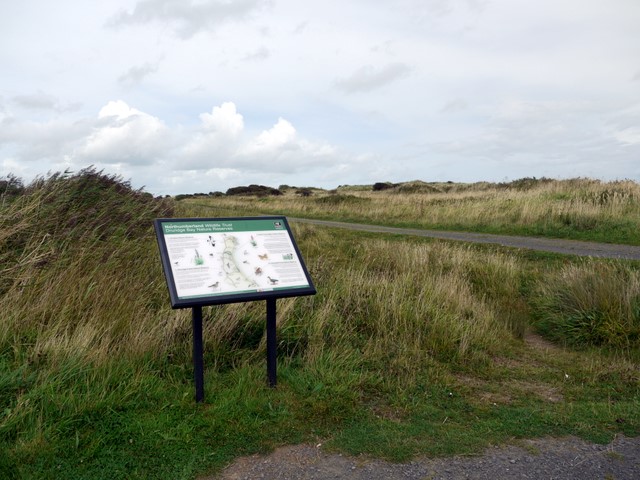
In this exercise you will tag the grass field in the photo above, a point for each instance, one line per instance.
(410, 347)
(581, 209)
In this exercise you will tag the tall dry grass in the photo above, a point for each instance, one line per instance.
(576, 208)
(594, 303)
(79, 269)
(403, 306)
(82, 279)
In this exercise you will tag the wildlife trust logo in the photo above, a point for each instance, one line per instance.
(277, 225)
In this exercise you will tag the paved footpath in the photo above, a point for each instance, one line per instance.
(556, 245)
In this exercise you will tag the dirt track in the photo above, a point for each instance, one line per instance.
(568, 247)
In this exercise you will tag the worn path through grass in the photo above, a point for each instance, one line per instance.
(556, 245)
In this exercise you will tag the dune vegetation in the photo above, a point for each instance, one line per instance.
(410, 347)
(580, 208)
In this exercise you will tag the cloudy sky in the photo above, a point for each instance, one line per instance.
(185, 96)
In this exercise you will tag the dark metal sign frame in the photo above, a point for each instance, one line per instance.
(216, 261)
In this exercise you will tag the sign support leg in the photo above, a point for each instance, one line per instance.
(198, 368)
(271, 342)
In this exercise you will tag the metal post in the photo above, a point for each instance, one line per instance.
(271, 342)
(198, 368)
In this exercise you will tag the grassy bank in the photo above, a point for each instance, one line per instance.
(580, 209)
(410, 346)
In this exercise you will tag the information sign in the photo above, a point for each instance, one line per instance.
(210, 261)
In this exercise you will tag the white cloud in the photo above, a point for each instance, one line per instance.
(260, 54)
(215, 141)
(280, 150)
(124, 135)
(542, 128)
(188, 17)
(38, 101)
(279, 137)
(43, 101)
(455, 106)
(624, 124)
(199, 181)
(629, 136)
(440, 8)
(224, 119)
(13, 166)
(220, 142)
(369, 78)
(127, 139)
(136, 74)
(301, 27)
(543, 138)
(36, 141)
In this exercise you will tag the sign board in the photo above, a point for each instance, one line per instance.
(212, 261)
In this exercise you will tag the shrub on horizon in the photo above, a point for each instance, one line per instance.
(379, 186)
(254, 190)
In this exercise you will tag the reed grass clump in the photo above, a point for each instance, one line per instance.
(77, 264)
(593, 303)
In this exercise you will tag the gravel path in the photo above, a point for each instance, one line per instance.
(566, 458)
(571, 247)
